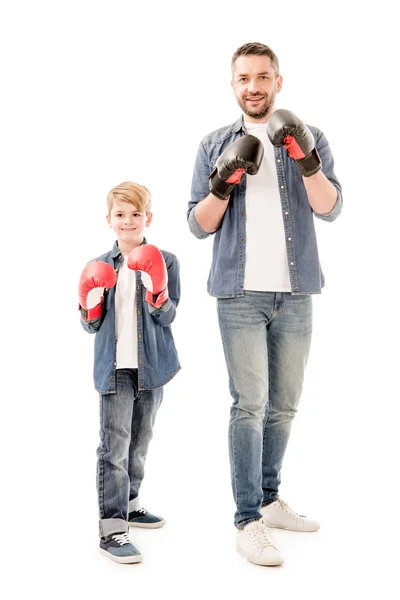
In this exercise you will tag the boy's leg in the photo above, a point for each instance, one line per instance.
(145, 408)
(113, 453)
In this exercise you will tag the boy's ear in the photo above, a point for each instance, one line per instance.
(149, 219)
(108, 220)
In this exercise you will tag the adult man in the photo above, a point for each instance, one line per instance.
(265, 268)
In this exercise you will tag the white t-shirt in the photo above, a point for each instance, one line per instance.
(125, 318)
(266, 256)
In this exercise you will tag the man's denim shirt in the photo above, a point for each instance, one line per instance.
(226, 278)
(157, 357)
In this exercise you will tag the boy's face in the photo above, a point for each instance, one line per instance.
(128, 223)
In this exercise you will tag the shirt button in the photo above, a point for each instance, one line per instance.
(242, 239)
(286, 213)
(139, 336)
(279, 160)
(138, 312)
(140, 361)
(291, 264)
(115, 364)
(241, 214)
(282, 187)
(290, 239)
(241, 266)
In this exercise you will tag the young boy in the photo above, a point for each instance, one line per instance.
(131, 314)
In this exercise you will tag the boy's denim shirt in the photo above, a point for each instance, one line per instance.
(226, 278)
(157, 356)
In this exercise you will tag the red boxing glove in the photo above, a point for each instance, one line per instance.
(96, 274)
(150, 261)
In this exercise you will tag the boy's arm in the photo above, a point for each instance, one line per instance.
(95, 278)
(160, 280)
(165, 315)
(92, 326)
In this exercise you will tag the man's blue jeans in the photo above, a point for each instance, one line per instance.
(266, 338)
(126, 428)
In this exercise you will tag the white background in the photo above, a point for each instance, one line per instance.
(96, 93)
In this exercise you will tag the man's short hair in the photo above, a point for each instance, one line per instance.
(255, 48)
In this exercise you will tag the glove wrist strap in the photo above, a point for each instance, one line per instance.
(219, 187)
(311, 164)
(91, 314)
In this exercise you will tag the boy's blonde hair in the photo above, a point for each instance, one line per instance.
(131, 192)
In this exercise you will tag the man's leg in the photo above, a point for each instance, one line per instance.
(243, 323)
(289, 339)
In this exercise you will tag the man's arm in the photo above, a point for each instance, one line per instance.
(322, 195)
(209, 213)
(206, 210)
(314, 159)
(323, 189)
(199, 192)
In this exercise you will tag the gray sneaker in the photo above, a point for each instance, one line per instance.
(143, 518)
(119, 548)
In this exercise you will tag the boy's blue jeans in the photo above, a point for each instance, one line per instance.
(266, 338)
(126, 428)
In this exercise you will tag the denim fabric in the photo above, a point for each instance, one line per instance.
(266, 338)
(157, 356)
(226, 278)
(126, 428)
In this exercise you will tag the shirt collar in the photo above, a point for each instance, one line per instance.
(115, 252)
(238, 125)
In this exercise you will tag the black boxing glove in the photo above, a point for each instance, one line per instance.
(285, 129)
(243, 156)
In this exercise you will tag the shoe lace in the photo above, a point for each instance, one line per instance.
(285, 506)
(260, 536)
(142, 511)
(121, 538)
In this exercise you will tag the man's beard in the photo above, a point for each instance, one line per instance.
(257, 113)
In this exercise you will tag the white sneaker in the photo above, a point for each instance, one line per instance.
(255, 543)
(278, 514)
